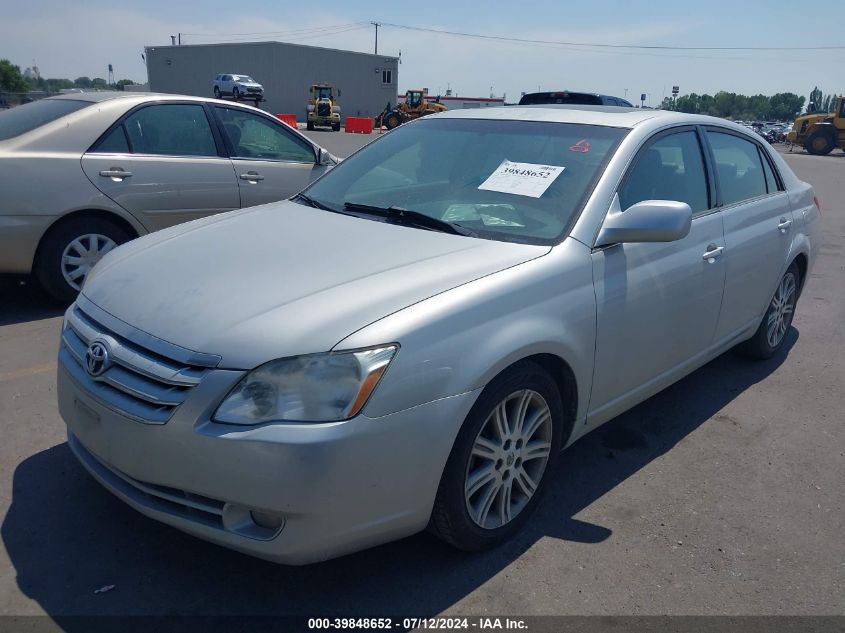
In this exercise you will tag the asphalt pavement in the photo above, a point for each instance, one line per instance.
(721, 495)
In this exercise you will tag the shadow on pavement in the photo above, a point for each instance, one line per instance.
(21, 300)
(67, 536)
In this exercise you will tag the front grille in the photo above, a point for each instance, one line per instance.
(324, 109)
(253, 89)
(137, 381)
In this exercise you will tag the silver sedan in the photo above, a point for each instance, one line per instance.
(83, 173)
(411, 341)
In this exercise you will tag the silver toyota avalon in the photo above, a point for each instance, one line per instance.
(411, 341)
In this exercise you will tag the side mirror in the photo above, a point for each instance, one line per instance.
(646, 221)
(324, 157)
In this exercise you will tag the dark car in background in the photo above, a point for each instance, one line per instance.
(572, 98)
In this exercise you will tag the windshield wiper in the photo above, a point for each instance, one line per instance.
(316, 204)
(406, 217)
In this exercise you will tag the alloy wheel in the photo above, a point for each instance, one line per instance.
(508, 460)
(781, 310)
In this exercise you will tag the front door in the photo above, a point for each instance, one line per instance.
(657, 303)
(161, 163)
(271, 161)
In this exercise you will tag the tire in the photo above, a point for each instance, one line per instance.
(779, 315)
(821, 142)
(216, 92)
(309, 126)
(458, 516)
(336, 127)
(236, 94)
(50, 268)
(392, 120)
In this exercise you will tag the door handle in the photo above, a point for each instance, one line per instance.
(252, 175)
(712, 253)
(784, 225)
(116, 173)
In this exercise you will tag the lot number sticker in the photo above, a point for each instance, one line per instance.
(522, 179)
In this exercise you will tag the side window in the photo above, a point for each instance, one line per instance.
(387, 76)
(739, 167)
(670, 168)
(170, 130)
(771, 181)
(254, 136)
(114, 143)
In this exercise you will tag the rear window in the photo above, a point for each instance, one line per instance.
(572, 98)
(26, 118)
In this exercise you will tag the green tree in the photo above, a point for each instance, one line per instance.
(124, 82)
(99, 82)
(11, 79)
(82, 82)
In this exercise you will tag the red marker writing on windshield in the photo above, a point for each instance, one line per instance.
(581, 146)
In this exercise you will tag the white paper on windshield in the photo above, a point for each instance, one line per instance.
(522, 179)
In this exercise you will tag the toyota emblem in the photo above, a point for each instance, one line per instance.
(97, 358)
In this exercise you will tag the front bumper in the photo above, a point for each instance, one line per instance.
(338, 487)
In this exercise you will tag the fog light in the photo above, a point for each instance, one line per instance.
(267, 520)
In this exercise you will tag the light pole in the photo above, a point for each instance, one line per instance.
(376, 24)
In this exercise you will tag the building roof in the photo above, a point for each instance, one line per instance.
(170, 47)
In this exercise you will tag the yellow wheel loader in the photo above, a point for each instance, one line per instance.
(415, 106)
(323, 110)
(820, 133)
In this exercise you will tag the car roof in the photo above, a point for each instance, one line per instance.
(609, 116)
(93, 97)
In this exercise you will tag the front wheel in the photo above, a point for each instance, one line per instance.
(69, 252)
(771, 333)
(336, 127)
(500, 462)
(392, 120)
(216, 92)
(236, 94)
(821, 142)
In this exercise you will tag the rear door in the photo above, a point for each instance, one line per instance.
(271, 161)
(162, 163)
(758, 227)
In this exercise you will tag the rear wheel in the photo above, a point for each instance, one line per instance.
(499, 464)
(821, 142)
(771, 334)
(69, 251)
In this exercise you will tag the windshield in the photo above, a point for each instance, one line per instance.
(521, 181)
(324, 93)
(244, 78)
(26, 118)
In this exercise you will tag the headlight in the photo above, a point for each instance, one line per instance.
(314, 388)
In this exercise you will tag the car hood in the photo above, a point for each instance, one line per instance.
(283, 279)
(249, 84)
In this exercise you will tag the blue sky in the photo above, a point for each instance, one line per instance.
(72, 39)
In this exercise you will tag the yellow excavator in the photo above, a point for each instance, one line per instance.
(322, 109)
(415, 105)
(820, 132)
